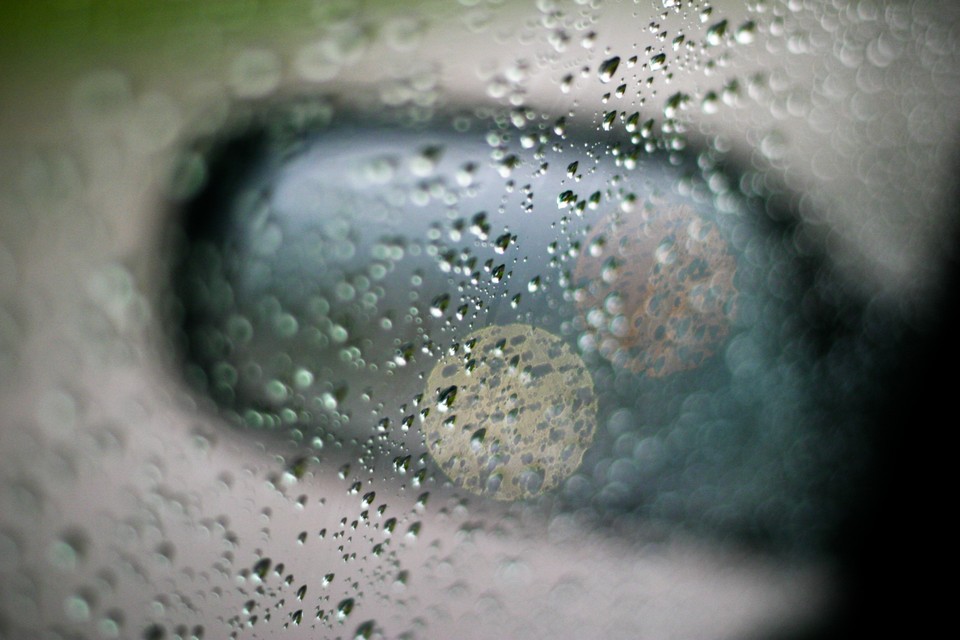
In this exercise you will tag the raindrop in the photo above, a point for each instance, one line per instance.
(345, 608)
(70, 549)
(479, 226)
(566, 198)
(446, 398)
(255, 73)
(531, 480)
(710, 103)
(365, 630)
(746, 32)
(439, 305)
(262, 567)
(675, 104)
(646, 129)
(608, 119)
(502, 243)
(77, 608)
(608, 68)
(425, 163)
(716, 33)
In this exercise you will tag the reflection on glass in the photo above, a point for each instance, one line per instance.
(657, 289)
(515, 410)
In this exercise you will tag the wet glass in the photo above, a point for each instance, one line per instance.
(561, 319)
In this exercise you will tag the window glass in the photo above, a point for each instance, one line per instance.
(486, 319)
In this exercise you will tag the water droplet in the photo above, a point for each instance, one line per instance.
(365, 630)
(446, 398)
(404, 33)
(666, 251)
(255, 73)
(345, 608)
(507, 165)
(502, 243)
(531, 480)
(746, 32)
(646, 130)
(425, 163)
(658, 61)
(111, 625)
(566, 198)
(303, 378)
(608, 119)
(77, 608)
(476, 440)
(675, 104)
(608, 68)
(439, 305)
(262, 567)
(710, 103)
(479, 226)
(716, 33)
(466, 174)
(560, 126)
(338, 333)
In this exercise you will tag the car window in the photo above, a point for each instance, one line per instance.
(561, 319)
